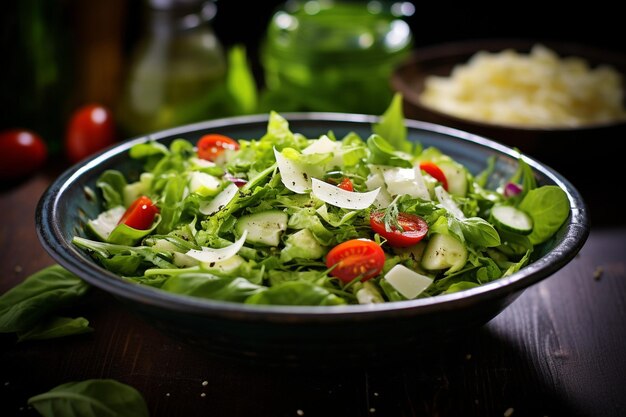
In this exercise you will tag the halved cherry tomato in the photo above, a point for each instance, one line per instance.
(415, 228)
(21, 153)
(213, 145)
(356, 257)
(90, 129)
(434, 171)
(140, 214)
(346, 184)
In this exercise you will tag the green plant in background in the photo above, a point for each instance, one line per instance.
(333, 56)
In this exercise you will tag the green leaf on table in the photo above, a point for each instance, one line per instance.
(56, 327)
(23, 306)
(549, 207)
(91, 398)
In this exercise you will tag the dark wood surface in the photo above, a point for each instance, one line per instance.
(559, 350)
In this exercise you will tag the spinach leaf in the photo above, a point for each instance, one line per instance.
(392, 127)
(300, 293)
(23, 306)
(210, 286)
(112, 184)
(91, 398)
(56, 327)
(548, 206)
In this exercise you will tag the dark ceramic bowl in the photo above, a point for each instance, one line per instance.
(556, 146)
(300, 335)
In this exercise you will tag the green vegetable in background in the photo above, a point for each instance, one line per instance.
(91, 398)
(24, 306)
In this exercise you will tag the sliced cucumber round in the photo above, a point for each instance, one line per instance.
(102, 226)
(511, 219)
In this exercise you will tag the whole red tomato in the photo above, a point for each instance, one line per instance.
(21, 153)
(90, 129)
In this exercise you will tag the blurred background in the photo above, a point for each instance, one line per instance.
(154, 64)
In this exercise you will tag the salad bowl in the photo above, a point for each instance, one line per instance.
(298, 335)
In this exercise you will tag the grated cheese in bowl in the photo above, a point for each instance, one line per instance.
(538, 89)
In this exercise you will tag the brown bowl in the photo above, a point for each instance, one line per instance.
(541, 142)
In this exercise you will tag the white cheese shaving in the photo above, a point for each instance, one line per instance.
(217, 255)
(220, 200)
(292, 176)
(446, 202)
(325, 145)
(407, 282)
(339, 197)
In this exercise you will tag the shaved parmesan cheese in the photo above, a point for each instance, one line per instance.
(217, 255)
(339, 197)
(407, 181)
(446, 202)
(407, 282)
(292, 176)
(220, 200)
(325, 145)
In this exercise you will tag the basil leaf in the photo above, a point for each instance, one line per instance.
(296, 293)
(91, 398)
(479, 232)
(56, 327)
(41, 293)
(548, 206)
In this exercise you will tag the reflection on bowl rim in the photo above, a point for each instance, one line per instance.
(75, 260)
(412, 95)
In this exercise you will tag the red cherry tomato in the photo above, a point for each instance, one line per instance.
(346, 184)
(415, 228)
(356, 257)
(140, 214)
(435, 172)
(213, 145)
(90, 129)
(21, 153)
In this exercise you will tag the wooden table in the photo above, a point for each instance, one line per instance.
(559, 350)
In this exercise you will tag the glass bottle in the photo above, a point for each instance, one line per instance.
(323, 55)
(177, 74)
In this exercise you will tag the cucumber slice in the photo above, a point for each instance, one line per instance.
(444, 252)
(102, 226)
(456, 176)
(264, 227)
(512, 219)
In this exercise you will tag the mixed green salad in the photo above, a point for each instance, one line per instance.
(290, 220)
